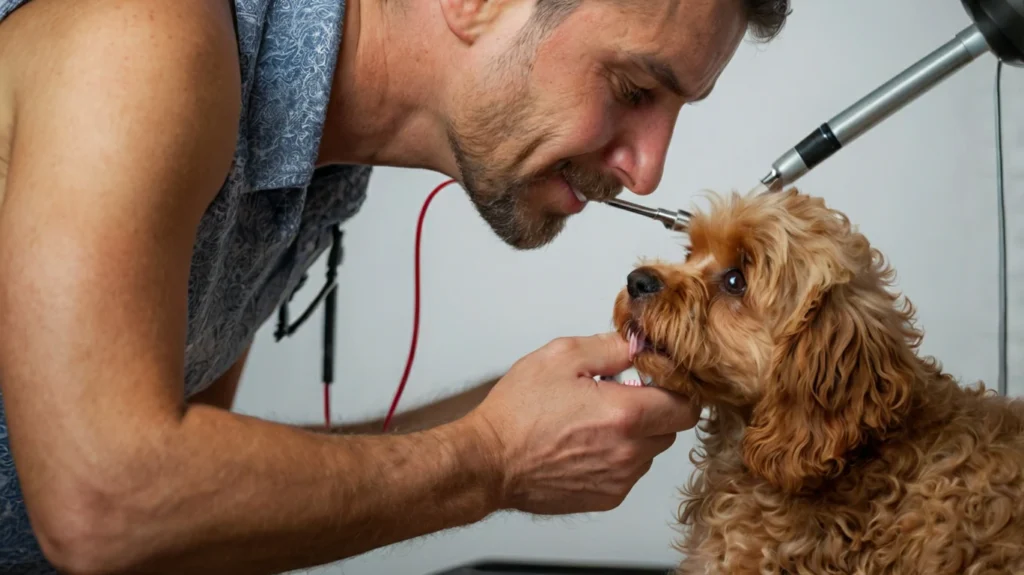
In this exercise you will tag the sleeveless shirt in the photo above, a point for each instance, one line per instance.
(269, 222)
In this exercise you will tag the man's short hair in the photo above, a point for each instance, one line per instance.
(765, 18)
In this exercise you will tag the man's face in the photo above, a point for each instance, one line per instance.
(589, 108)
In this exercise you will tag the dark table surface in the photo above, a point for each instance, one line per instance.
(504, 567)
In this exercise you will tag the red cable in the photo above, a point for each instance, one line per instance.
(416, 306)
(327, 405)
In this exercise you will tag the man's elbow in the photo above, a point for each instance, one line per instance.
(99, 514)
(86, 531)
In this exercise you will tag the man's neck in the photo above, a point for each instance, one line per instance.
(387, 98)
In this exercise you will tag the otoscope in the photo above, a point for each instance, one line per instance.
(998, 27)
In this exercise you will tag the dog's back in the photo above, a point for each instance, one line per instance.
(942, 495)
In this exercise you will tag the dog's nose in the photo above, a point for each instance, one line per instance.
(641, 283)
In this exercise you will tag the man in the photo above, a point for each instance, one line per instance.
(169, 170)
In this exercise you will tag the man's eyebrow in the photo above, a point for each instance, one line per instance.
(661, 72)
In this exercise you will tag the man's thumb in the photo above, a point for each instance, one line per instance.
(603, 354)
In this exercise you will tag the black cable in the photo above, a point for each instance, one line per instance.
(331, 306)
(1001, 214)
(286, 329)
(329, 295)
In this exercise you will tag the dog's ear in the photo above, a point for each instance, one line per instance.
(841, 375)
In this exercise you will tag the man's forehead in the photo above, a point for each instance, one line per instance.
(661, 70)
(685, 50)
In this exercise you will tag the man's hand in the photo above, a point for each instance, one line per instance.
(569, 444)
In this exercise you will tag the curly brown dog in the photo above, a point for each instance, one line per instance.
(830, 445)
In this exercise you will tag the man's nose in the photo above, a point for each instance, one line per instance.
(640, 151)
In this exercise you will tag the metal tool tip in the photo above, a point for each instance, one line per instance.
(770, 183)
(759, 189)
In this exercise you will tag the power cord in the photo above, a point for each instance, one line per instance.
(416, 305)
(1001, 214)
(329, 295)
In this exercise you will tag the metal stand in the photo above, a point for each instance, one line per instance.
(998, 28)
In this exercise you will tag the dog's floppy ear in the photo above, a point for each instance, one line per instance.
(841, 375)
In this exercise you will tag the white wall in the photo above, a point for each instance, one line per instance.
(921, 186)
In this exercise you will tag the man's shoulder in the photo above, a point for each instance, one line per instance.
(44, 37)
(137, 99)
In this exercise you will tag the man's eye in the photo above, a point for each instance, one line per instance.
(633, 95)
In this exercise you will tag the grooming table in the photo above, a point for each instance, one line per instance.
(527, 568)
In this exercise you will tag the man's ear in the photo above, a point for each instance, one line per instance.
(468, 19)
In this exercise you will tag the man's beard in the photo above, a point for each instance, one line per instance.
(489, 147)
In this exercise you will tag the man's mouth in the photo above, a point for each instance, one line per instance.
(598, 187)
(579, 196)
(560, 170)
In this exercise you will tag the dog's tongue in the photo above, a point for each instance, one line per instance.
(636, 345)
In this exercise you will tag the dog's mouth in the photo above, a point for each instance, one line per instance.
(640, 342)
(652, 359)
(657, 364)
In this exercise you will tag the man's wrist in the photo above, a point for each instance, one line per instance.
(474, 449)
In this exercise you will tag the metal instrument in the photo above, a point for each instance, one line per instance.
(677, 221)
(998, 28)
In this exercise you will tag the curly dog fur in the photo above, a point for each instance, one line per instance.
(830, 445)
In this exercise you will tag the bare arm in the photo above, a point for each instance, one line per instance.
(221, 393)
(126, 127)
(429, 415)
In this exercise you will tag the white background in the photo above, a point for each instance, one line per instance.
(922, 187)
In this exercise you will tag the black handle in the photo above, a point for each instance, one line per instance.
(818, 146)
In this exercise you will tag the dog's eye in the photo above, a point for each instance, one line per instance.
(733, 282)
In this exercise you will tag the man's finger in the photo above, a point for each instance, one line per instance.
(602, 354)
(658, 444)
(660, 412)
